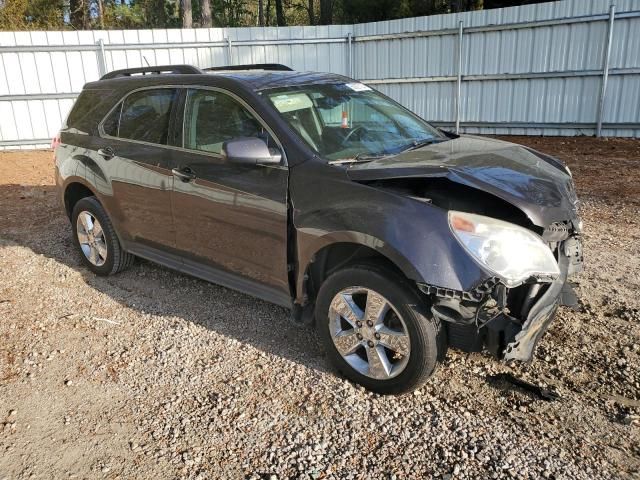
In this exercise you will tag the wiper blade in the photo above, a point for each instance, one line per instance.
(361, 157)
(419, 143)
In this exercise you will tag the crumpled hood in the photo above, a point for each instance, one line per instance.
(534, 182)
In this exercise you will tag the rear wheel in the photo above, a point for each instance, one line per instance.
(374, 330)
(96, 238)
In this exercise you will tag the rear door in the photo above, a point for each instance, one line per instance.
(230, 220)
(136, 161)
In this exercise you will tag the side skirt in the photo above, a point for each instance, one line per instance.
(209, 274)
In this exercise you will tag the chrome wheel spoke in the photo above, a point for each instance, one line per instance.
(83, 238)
(377, 307)
(345, 307)
(86, 221)
(379, 365)
(101, 249)
(394, 340)
(93, 255)
(97, 230)
(346, 342)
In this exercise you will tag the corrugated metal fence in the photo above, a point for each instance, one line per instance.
(558, 68)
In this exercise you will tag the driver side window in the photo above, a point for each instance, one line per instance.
(211, 118)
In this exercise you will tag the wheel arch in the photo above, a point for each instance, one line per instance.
(75, 190)
(332, 252)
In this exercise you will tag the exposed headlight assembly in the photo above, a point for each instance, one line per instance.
(511, 252)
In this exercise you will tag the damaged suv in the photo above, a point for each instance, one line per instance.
(315, 192)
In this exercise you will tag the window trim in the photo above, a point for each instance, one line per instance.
(181, 104)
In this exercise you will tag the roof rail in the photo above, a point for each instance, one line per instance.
(171, 69)
(252, 66)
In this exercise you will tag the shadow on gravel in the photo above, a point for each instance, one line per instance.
(31, 216)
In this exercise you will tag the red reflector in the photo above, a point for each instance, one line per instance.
(55, 142)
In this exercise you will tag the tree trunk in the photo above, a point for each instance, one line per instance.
(79, 14)
(261, 13)
(311, 14)
(280, 14)
(187, 14)
(205, 5)
(101, 13)
(268, 19)
(326, 12)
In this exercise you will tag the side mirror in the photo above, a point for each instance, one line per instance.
(250, 151)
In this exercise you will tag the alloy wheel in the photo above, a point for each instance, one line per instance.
(369, 333)
(91, 238)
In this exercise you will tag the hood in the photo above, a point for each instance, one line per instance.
(536, 183)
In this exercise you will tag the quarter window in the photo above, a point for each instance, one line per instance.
(212, 118)
(143, 116)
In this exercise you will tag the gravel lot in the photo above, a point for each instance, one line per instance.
(152, 374)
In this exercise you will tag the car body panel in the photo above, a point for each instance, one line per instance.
(542, 190)
(258, 228)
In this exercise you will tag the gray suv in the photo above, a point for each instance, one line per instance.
(313, 191)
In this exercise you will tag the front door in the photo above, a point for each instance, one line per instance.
(230, 220)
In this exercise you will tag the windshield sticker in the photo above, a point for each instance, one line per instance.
(291, 102)
(358, 87)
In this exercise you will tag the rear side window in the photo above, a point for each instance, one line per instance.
(143, 116)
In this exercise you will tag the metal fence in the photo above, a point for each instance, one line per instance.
(560, 68)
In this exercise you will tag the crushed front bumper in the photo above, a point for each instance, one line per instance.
(472, 326)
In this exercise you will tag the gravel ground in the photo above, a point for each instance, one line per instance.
(152, 374)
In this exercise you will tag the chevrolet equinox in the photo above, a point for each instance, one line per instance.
(313, 191)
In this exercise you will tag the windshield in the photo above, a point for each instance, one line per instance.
(350, 120)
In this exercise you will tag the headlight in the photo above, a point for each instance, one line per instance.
(511, 252)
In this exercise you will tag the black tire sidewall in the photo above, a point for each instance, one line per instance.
(423, 334)
(91, 205)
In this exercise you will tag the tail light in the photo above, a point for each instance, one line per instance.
(55, 142)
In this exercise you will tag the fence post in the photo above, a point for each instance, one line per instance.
(102, 59)
(350, 53)
(459, 80)
(605, 70)
(229, 51)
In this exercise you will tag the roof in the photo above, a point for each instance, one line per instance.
(262, 80)
(255, 77)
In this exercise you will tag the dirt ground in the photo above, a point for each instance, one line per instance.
(152, 374)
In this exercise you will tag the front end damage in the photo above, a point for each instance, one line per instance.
(509, 322)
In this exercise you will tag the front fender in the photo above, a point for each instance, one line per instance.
(413, 234)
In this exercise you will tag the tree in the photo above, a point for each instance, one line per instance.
(311, 13)
(280, 19)
(261, 13)
(79, 14)
(326, 12)
(187, 14)
(205, 7)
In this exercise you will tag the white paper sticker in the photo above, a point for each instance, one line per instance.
(358, 87)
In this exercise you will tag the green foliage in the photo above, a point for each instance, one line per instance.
(123, 14)
(31, 15)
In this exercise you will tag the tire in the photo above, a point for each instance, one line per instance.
(111, 258)
(407, 313)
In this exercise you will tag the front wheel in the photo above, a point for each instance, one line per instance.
(374, 330)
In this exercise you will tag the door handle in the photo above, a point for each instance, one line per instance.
(184, 174)
(106, 153)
